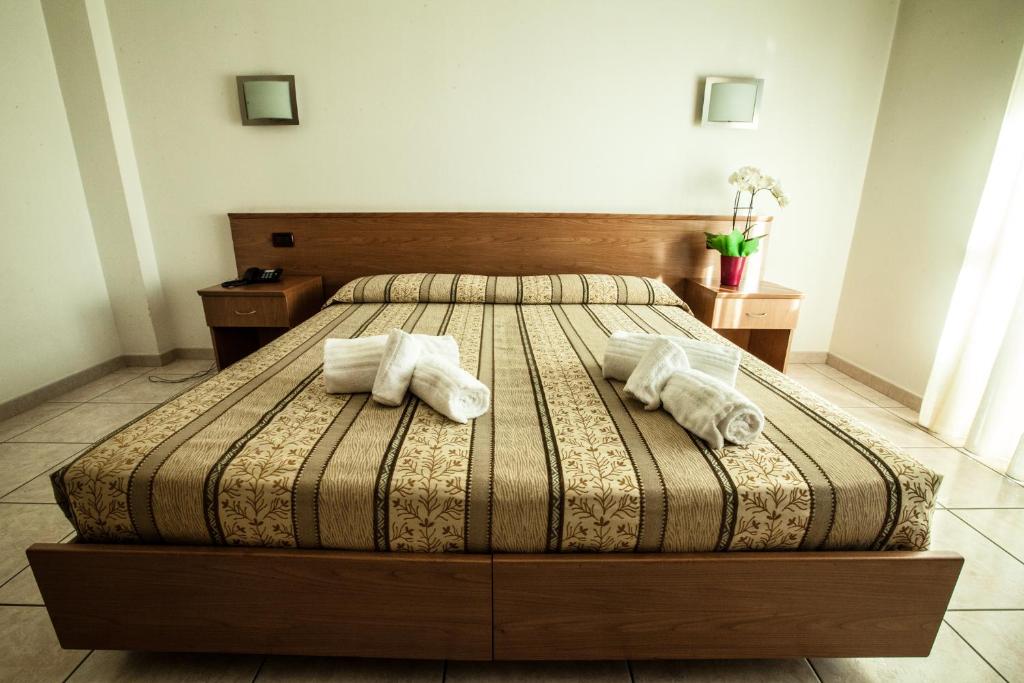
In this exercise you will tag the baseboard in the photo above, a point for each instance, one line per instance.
(20, 404)
(879, 384)
(808, 356)
(149, 360)
(194, 353)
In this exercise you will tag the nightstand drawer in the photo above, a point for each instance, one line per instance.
(756, 314)
(246, 311)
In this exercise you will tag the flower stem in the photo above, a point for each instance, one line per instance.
(750, 210)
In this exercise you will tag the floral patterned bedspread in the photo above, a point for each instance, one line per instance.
(260, 455)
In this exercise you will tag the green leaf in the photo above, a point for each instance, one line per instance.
(733, 241)
(727, 245)
(748, 247)
(715, 242)
(731, 244)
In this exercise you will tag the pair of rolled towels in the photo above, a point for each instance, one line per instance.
(387, 366)
(694, 381)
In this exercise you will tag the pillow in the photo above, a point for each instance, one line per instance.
(507, 289)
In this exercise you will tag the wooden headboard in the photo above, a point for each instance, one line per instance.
(344, 246)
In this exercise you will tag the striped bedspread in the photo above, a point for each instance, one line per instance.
(260, 455)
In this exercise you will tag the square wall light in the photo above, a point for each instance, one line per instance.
(731, 102)
(267, 100)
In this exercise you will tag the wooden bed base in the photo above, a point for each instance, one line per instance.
(507, 607)
(480, 607)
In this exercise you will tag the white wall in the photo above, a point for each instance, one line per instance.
(951, 71)
(56, 315)
(91, 88)
(505, 106)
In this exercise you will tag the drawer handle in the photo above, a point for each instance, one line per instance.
(252, 312)
(757, 315)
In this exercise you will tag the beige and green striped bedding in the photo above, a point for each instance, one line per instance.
(260, 455)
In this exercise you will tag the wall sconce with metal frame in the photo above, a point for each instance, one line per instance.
(267, 100)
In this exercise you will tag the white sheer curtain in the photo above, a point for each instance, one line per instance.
(976, 389)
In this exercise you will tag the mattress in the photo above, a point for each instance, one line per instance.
(260, 455)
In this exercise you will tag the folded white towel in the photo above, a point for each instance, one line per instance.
(401, 352)
(652, 372)
(350, 365)
(711, 409)
(625, 349)
(450, 390)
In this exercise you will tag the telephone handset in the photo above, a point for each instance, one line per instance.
(255, 276)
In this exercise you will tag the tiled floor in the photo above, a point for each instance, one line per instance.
(982, 518)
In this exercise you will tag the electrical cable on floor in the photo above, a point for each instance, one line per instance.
(179, 380)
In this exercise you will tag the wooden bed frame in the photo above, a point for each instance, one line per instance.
(502, 606)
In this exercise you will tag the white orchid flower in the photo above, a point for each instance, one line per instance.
(780, 196)
(752, 179)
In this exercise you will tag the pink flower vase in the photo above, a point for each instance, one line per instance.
(732, 270)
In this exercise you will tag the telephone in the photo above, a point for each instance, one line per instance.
(255, 276)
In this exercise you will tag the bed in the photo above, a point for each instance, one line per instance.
(256, 513)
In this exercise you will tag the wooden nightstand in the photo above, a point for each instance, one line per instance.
(243, 319)
(759, 319)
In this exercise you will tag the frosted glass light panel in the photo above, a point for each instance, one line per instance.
(732, 102)
(267, 100)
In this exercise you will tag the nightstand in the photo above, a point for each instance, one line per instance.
(760, 319)
(243, 319)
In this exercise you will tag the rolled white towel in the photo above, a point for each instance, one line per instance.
(450, 390)
(652, 372)
(350, 365)
(625, 349)
(397, 362)
(710, 409)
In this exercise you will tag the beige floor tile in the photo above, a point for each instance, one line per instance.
(21, 589)
(340, 670)
(955, 442)
(22, 462)
(550, 672)
(25, 421)
(991, 578)
(903, 412)
(89, 391)
(142, 390)
(21, 526)
(967, 483)
(895, 429)
(997, 636)
(828, 371)
(951, 659)
(29, 650)
(1004, 527)
(39, 489)
(912, 416)
(834, 392)
(997, 464)
(876, 397)
(725, 671)
(85, 424)
(108, 666)
(799, 370)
